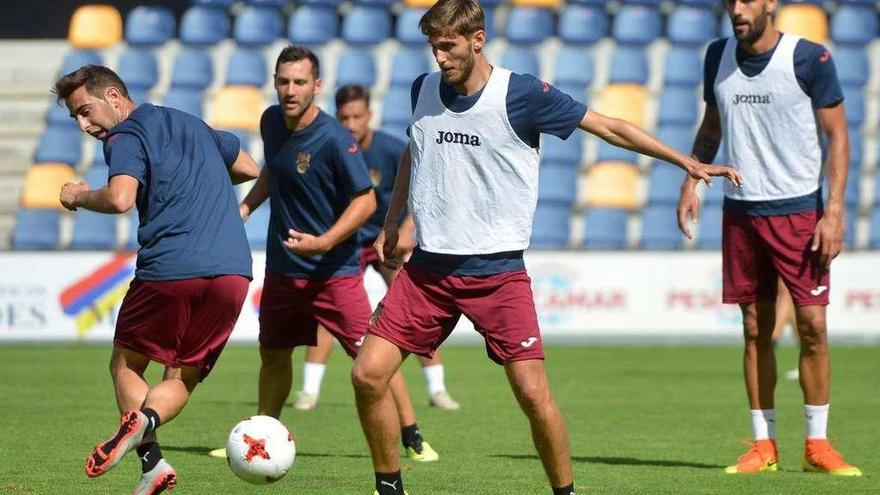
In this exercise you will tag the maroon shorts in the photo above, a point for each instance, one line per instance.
(181, 322)
(757, 250)
(369, 257)
(421, 309)
(291, 309)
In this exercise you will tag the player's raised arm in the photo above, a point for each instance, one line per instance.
(386, 243)
(358, 211)
(117, 196)
(244, 168)
(828, 237)
(625, 135)
(705, 148)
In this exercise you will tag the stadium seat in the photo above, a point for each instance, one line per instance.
(854, 105)
(540, 4)
(624, 101)
(637, 25)
(854, 25)
(131, 239)
(204, 26)
(397, 106)
(713, 196)
(385, 4)
(589, 3)
(582, 25)
(60, 144)
(42, 185)
(187, 100)
(98, 158)
(356, 66)
(247, 66)
(629, 65)
(660, 228)
(220, 4)
(238, 107)
(257, 226)
(527, 26)
(856, 149)
(78, 58)
(684, 67)
(679, 137)
(313, 25)
(874, 233)
(699, 3)
(407, 64)
(321, 3)
(489, 13)
(193, 68)
(95, 27)
(139, 69)
(609, 153)
(664, 184)
(691, 26)
(147, 26)
(574, 66)
(258, 26)
(849, 236)
(649, 3)
(93, 230)
(558, 182)
(852, 65)
(605, 228)
(407, 29)
(578, 92)
(612, 185)
(366, 25)
(96, 175)
(275, 4)
(36, 229)
(804, 20)
(709, 229)
(551, 225)
(726, 30)
(521, 60)
(398, 130)
(244, 139)
(678, 105)
(555, 150)
(423, 4)
(59, 116)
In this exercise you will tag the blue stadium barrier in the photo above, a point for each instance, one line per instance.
(551, 225)
(521, 60)
(258, 26)
(637, 25)
(204, 26)
(678, 106)
(60, 144)
(407, 64)
(691, 26)
(605, 228)
(582, 25)
(527, 25)
(366, 25)
(247, 66)
(664, 184)
(138, 68)
(629, 64)
(93, 230)
(684, 67)
(854, 25)
(407, 29)
(313, 25)
(574, 66)
(187, 100)
(709, 228)
(257, 226)
(193, 68)
(555, 150)
(149, 26)
(660, 228)
(75, 59)
(558, 182)
(36, 229)
(356, 66)
(852, 65)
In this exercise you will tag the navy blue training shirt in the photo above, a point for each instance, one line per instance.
(315, 173)
(382, 157)
(188, 211)
(533, 108)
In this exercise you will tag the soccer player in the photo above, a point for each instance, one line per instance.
(193, 266)
(772, 95)
(382, 152)
(320, 194)
(471, 178)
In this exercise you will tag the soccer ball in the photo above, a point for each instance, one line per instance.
(260, 450)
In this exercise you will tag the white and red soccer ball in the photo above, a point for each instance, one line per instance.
(260, 450)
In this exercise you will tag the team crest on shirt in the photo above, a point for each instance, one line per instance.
(302, 162)
(375, 176)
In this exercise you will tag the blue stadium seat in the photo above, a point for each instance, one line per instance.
(856, 149)
(648, 3)
(557, 182)
(637, 25)
(555, 150)
(874, 234)
(521, 60)
(258, 26)
(131, 241)
(527, 25)
(247, 66)
(398, 130)
(408, 63)
(321, 3)
(98, 161)
(187, 100)
(204, 26)
(59, 116)
(356, 66)
(678, 105)
(490, 19)
(574, 66)
(660, 228)
(36, 229)
(582, 25)
(149, 26)
(220, 4)
(605, 228)
(679, 137)
(366, 25)
(578, 92)
(551, 226)
(699, 3)
(375, 3)
(684, 67)
(664, 184)
(610, 153)
(193, 68)
(96, 176)
(275, 4)
(709, 228)
(313, 25)
(691, 26)
(854, 25)
(407, 29)
(93, 230)
(589, 3)
(725, 27)
(139, 95)
(139, 69)
(854, 105)
(629, 64)
(852, 65)
(244, 139)
(713, 196)
(60, 144)
(257, 226)
(78, 58)
(849, 236)
(397, 106)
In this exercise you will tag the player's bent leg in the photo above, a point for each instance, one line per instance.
(170, 395)
(157, 480)
(107, 454)
(528, 379)
(127, 370)
(414, 445)
(276, 375)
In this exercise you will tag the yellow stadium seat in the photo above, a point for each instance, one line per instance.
(613, 185)
(419, 4)
(625, 101)
(42, 184)
(541, 4)
(237, 107)
(95, 27)
(804, 20)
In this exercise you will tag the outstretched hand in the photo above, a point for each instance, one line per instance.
(705, 172)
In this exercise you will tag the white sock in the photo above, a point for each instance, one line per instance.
(434, 378)
(313, 375)
(817, 420)
(763, 423)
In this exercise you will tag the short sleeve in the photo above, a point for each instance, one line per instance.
(535, 107)
(816, 73)
(270, 130)
(710, 70)
(228, 144)
(349, 164)
(125, 155)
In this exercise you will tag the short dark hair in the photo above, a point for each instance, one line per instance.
(292, 53)
(96, 78)
(464, 17)
(352, 92)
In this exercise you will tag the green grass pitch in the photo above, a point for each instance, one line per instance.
(641, 421)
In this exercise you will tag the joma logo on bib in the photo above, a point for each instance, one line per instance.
(457, 138)
(750, 99)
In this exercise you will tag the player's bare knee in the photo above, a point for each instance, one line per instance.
(367, 380)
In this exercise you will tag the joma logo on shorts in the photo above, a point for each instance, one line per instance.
(457, 138)
(750, 99)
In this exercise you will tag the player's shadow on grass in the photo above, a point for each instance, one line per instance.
(621, 461)
(204, 451)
